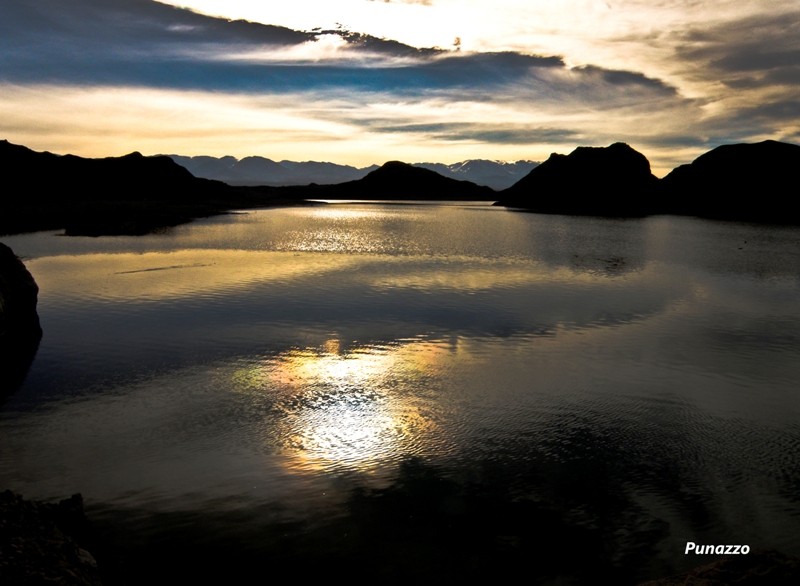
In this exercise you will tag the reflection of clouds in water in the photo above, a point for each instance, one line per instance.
(473, 274)
(272, 301)
(155, 276)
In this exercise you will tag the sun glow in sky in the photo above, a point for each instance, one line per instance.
(365, 81)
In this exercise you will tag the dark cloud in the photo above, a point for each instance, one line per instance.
(500, 133)
(143, 43)
(681, 140)
(128, 25)
(757, 62)
(744, 60)
(387, 47)
(783, 76)
(625, 78)
(779, 110)
(762, 45)
(101, 40)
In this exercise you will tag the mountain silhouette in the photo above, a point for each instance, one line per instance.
(262, 171)
(753, 182)
(399, 181)
(607, 181)
(132, 194)
(135, 194)
(132, 175)
(498, 175)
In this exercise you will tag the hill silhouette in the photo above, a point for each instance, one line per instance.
(746, 182)
(753, 182)
(135, 194)
(132, 194)
(398, 181)
(609, 181)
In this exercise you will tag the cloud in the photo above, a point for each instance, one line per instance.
(498, 133)
(756, 46)
(751, 67)
(374, 93)
(127, 25)
(422, 2)
(143, 43)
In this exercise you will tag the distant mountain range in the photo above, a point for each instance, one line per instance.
(262, 171)
(495, 174)
(398, 181)
(135, 194)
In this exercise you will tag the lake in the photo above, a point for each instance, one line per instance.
(390, 392)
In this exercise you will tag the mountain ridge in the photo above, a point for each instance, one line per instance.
(395, 180)
(134, 194)
(131, 194)
(255, 170)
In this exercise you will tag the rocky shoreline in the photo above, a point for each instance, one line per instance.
(43, 543)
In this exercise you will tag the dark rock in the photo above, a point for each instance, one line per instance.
(44, 543)
(765, 173)
(19, 323)
(603, 181)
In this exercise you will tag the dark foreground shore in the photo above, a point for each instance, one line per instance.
(43, 543)
(55, 543)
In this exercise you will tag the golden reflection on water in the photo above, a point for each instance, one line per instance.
(181, 273)
(352, 408)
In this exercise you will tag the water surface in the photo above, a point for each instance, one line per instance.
(353, 388)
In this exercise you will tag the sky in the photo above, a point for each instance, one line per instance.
(361, 82)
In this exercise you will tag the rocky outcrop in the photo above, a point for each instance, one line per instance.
(19, 323)
(43, 543)
(605, 181)
(753, 182)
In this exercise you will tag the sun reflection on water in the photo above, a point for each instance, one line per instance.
(353, 408)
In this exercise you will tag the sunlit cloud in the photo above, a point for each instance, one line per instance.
(361, 81)
(343, 126)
